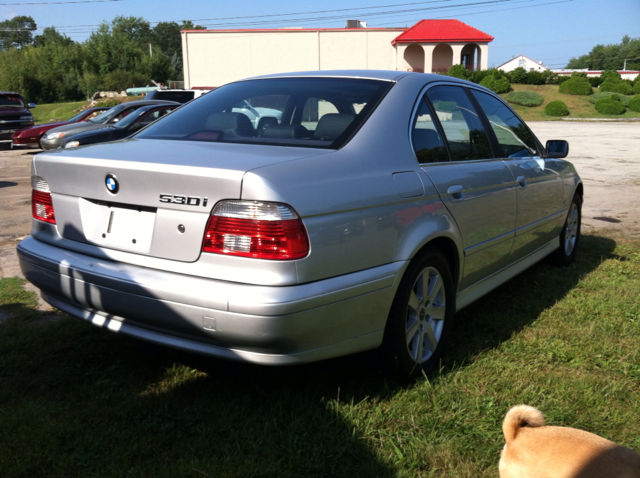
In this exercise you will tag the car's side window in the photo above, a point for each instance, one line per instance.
(425, 137)
(514, 138)
(462, 127)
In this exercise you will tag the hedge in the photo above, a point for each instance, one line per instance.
(460, 71)
(616, 87)
(634, 103)
(556, 108)
(576, 86)
(607, 94)
(636, 87)
(610, 106)
(525, 98)
(495, 84)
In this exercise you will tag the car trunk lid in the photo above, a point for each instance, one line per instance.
(164, 195)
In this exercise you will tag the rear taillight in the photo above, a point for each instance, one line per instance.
(256, 229)
(41, 203)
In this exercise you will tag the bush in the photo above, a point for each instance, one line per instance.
(610, 75)
(108, 103)
(535, 78)
(636, 88)
(556, 108)
(619, 86)
(610, 106)
(479, 75)
(576, 86)
(607, 94)
(634, 103)
(595, 81)
(525, 98)
(550, 78)
(518, 76)
(498, 83)
(459, 71)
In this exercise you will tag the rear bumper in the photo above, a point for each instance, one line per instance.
(262, 324)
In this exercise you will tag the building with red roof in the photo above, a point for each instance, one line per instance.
(215, 57)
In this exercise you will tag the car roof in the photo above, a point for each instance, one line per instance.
(386, 75)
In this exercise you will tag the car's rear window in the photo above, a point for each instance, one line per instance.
(177, 96)
(11, 100)
(312, 112)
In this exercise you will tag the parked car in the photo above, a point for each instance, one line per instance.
(53, 139)
(14, 113)
(30, 137)
(133, 122)
(378, 205)
(178, 95)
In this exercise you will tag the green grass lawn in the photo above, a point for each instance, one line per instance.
(78, 401)
(579, 106)
(55, 111)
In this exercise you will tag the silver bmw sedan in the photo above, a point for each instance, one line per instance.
(296, 217)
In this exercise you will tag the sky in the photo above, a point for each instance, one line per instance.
(551, 31)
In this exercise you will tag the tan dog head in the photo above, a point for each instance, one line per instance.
(533, 450)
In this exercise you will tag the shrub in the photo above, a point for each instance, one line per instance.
(634, 103)
(556, 108)
(108, 103)
(610, 75)
(525, 98)
(497, 83)
(610, 106)
(460, 71)
(518, 76)
(535, 78)
(616, 87)
(595, 81)
(550, 78)
(636, 88)
(479, 75)
(576, 86)
(607, 94)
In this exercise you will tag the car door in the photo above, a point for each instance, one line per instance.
(538, 181)
(453, 148)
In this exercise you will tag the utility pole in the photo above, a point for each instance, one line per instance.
(624, 68)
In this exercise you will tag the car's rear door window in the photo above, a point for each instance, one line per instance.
(426, 138)
(514, 138)
(460, 122)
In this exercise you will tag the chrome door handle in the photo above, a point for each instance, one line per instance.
(455, 191)
(522, 181)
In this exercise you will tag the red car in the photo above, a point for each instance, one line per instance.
(30, 137)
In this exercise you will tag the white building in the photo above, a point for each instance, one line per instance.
(524, 62)
(216, 57)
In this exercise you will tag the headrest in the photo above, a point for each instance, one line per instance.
(332, 125)
(234, 124)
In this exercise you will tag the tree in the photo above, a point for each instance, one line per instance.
(17, 32)
(50, 36)
(610, 57)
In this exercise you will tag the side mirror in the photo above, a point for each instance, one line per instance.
(557, 148)
(31, 105)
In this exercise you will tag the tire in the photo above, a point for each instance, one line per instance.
(421, 316)
(570, 235)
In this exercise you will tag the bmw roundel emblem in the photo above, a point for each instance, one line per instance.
(111, 182)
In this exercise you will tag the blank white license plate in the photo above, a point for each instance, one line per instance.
(118, 226)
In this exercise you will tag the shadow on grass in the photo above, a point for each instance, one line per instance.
(87, 402)
(494, 318)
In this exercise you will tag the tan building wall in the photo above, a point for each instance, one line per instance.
(213, 58)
